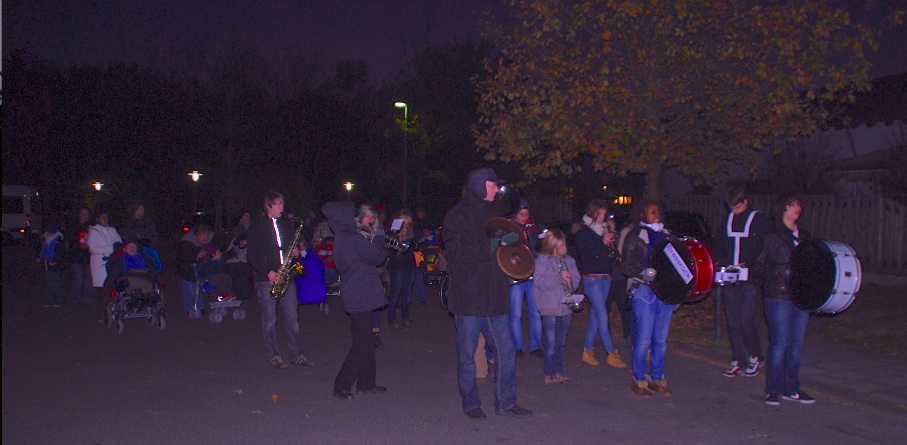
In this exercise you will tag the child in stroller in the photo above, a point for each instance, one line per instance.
(132, 276)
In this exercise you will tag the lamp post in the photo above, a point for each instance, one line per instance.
(405, 144)
(349, 189)
(195, 175)
(97, 186)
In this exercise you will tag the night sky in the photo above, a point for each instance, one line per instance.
(158, 32)
(382, 32)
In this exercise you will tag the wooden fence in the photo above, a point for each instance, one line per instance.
(876, 228)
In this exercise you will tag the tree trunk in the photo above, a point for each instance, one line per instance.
(653, 181)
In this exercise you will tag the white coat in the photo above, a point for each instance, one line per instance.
(100, 244)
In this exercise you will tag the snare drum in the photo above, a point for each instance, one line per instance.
(824, 276)
(686, 271)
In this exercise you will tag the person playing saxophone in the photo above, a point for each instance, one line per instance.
(269, 241)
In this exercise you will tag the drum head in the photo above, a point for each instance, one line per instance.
(671, 285)
(812, 274)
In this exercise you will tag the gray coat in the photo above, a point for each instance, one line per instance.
(357, 260)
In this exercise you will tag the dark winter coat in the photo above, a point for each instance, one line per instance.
(357, 260)
(749, 246)
(141, 229)
(263, 254)
(772, 266)
(478, 286)
(594, 256)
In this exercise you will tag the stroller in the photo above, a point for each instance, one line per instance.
(215, 294)
(135, 293)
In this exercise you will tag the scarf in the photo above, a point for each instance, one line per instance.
(597, 227)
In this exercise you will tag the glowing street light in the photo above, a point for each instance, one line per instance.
(97, 187)
(405, 108)
(348, 186)
(195, 175)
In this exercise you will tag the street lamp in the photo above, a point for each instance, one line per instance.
(97, 186)
(405, 144)
(195, 175)
(348, 186)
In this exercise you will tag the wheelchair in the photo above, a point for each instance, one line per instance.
(135, 297)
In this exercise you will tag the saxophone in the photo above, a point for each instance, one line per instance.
(289, 270)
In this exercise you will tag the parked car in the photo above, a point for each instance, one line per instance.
(21, 212)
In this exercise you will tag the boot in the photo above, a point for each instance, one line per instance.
(589, 357)
(614, 360)
(642, 389)
(660, 387)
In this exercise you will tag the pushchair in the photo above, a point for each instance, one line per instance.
(216, 296)
(135, 297)
(434, 265)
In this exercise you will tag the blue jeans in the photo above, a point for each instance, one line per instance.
(288, 310)
(517, 291)
(786, 332)
(652, 321)
(192, 295)
(596, 290)
(555, 329)
(419, 285)
(400, 294)
(497, 335)
(81, 283)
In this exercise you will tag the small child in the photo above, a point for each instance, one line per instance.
(555, 276)
(50, 254)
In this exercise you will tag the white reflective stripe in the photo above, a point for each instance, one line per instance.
(678, 263)
(737, 235)
(276, 232)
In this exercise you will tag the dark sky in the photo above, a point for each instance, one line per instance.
(382, 32)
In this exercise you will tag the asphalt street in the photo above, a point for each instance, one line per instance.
(67, 380)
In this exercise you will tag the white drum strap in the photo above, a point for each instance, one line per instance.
(737, 235)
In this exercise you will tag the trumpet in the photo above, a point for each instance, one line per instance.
(391, 242)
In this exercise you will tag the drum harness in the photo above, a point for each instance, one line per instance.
(743, 271)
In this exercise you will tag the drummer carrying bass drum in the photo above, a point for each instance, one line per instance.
(786, 322)
(651, 316)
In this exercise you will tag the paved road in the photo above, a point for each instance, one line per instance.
(66, 380)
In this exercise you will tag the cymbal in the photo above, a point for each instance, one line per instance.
(493, 224)
(516, 261)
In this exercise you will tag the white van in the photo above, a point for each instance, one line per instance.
(21, 212)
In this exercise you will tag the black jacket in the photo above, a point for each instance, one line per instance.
(594, 256)
(772, 266)
(78, 250)
(635, 254)
(263, 254)
(478, 287)
(749, 246)
(357, 260)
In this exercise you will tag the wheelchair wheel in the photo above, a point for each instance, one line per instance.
(443, 292)
(215, 317)
(121, 326)
(239, 314)
(108, 317)
(161, 322)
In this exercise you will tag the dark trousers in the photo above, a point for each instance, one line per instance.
(740, 309)
(359, 366)
(618, 296)
(101, 298)
(241, 280)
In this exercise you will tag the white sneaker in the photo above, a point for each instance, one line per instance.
(732, 370)
(753, 367)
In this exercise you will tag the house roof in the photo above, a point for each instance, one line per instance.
(892, 160)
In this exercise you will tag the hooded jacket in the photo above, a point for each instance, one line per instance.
(478, 286)
(187, 255)
(357, 260)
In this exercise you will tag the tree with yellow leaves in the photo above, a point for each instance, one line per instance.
(634, 86)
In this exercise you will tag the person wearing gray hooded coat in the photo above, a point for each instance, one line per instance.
(357, 258)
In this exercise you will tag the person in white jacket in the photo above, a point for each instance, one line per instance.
(101, 238)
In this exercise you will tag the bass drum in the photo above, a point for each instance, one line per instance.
(824, 276)
(685, 270)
